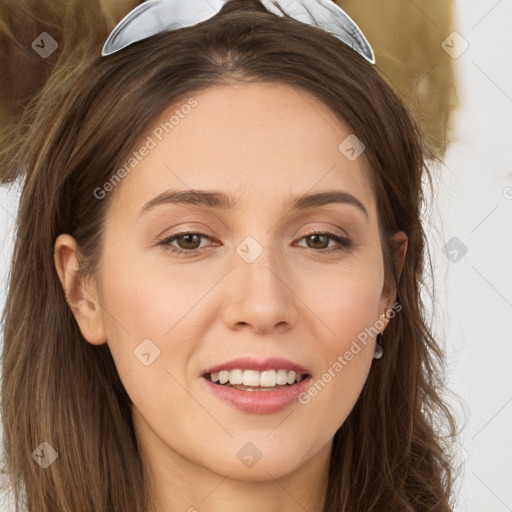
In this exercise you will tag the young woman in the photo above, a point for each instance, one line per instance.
(215, 299)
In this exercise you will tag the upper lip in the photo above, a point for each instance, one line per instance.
(249, 363)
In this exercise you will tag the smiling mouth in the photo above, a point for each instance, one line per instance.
(252, 380)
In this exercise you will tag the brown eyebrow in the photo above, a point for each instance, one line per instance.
(219, 200)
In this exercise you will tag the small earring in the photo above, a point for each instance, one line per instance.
(379, 351)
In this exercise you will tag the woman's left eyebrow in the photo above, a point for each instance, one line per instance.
(219, 200)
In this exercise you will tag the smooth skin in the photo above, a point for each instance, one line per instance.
(262, 145)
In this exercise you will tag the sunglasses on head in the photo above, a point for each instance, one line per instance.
(155, 16)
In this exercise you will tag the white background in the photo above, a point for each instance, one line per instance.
(473, 203)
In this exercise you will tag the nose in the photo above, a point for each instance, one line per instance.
(260, 296)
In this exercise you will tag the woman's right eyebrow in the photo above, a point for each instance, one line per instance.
(219, 200)
(211, 199)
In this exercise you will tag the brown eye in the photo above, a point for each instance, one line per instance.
(320, 241)
(189, 241)
(184, 243)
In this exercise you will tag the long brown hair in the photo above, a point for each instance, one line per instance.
(59, 389)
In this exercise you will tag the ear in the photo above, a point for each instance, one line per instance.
(389, 292)
(84, 302)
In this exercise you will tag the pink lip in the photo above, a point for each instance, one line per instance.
(249, 363)
(258, 402)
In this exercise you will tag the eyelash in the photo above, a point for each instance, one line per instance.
(345, 244)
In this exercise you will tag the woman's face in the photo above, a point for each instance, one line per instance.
(253, 281)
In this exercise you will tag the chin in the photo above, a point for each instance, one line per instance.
(256, 466)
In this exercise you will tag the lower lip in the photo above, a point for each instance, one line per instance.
(258, 402)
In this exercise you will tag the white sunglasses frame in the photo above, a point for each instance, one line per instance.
(155, 16)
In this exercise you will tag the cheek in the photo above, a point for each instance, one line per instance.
(347, 303)
(136, 305)
(148, 298)
(346, 353)
(162, 303)
(147, 323)
(350, 313)
(346, 300)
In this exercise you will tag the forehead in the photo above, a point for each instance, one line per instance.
(259, 143)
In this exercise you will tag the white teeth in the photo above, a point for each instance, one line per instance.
(236, 377)
(282, 377)
(251, 378)
(267, 378)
